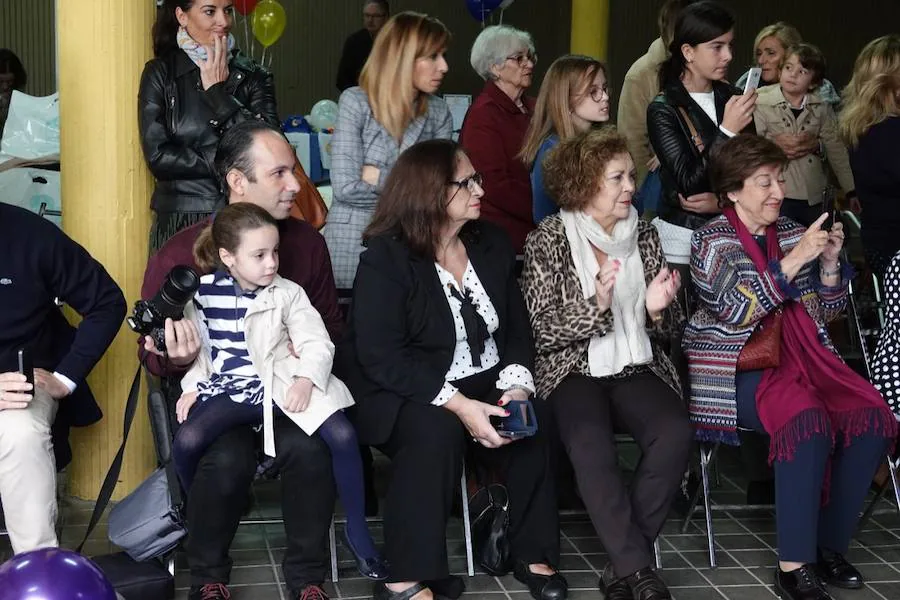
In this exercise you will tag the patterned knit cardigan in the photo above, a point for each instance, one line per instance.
(733, 298)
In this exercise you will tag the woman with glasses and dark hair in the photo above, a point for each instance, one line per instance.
(439, 345)
(573, 97)
(496, 123)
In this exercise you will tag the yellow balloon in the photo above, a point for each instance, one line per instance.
(269, 20)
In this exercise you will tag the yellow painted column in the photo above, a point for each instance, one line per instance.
(102, 48)
(590, 28)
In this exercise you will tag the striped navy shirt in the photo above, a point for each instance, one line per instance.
(222, 305)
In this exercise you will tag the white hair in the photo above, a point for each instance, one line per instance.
(494, 45)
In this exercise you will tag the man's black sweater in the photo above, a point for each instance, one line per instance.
(356, 51)
(39, 263)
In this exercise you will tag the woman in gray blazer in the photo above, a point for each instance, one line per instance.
(393, 108)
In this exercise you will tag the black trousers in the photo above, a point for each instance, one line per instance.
(218, 496)
(588, 412)
(426, 447)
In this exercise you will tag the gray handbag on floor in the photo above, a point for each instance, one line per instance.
(146, 523)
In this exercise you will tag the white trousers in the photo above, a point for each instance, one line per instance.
(28, 474)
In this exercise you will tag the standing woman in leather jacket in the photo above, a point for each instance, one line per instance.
(696, 110)
(196, 87)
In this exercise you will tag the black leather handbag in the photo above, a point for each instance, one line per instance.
(489, 511)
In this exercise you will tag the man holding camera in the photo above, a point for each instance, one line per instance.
(255, 163)
(44, 362)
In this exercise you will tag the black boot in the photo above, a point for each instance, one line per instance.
(802, 584)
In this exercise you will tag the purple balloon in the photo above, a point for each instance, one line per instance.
(480, 9)
(53, 574)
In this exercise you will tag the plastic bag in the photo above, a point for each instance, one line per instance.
(32, 127)
(36, 190)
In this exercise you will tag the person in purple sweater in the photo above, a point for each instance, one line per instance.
(869, 122)
(255, 163)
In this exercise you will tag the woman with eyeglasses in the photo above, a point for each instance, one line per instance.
(495, 126)
(438, 346)
(573, 97)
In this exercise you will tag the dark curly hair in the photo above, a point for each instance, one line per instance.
(574, 168)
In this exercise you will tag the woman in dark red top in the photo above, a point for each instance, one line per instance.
(495, 126)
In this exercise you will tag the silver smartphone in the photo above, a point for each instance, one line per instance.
(752, 80)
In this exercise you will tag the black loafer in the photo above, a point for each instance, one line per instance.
(451, 587)
(542, 587)
(373, 568)
(835, 570)
(613, 588)
(646, 585)
(802, 584)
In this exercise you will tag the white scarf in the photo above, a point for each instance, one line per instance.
(627, 343)
(194, 50)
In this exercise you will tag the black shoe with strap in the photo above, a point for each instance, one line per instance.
(834, 569)
(382, 592)
(451, 587)
(645, 584)
(210, 591)
(614, 588)
(542, 587)
(800, 584)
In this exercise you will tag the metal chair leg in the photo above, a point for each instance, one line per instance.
(467, 525)
(657, 555)
(706, 455)
(894, 465)
(332, 546)
(170, 564)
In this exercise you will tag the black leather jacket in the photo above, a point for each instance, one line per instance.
(181, 124)
(682, 166)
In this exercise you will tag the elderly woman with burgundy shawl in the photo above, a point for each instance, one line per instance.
(760, 358)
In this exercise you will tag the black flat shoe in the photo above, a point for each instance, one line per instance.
(372, 568)
(612, 588)
(834, 569)
(451, 587)
(542, 587)
(646, 585)
(381, 592)
(802, 584)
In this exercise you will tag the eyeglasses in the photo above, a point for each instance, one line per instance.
(597, 93)
(521, 59)
(475, 178)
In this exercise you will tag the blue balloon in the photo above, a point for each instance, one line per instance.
(480, 9)
(53, 574)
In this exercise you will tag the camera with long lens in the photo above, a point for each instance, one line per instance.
(149, 316)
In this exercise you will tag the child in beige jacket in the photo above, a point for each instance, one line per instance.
(792, 107)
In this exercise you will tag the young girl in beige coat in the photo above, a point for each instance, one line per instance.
(264, 346)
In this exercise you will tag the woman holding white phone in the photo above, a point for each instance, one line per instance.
(696, 110)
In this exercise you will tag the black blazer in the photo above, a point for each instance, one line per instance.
(401, 337)
(683, 169)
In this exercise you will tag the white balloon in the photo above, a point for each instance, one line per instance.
(323, 115)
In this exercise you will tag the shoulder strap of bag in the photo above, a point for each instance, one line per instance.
(112, 476)
(695, 137)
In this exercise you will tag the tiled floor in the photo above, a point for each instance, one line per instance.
(745, 545)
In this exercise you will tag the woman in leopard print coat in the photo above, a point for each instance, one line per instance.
(603, 306)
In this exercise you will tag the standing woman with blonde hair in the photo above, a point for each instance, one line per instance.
(393, 107)
(573, 97)
(869, 123)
